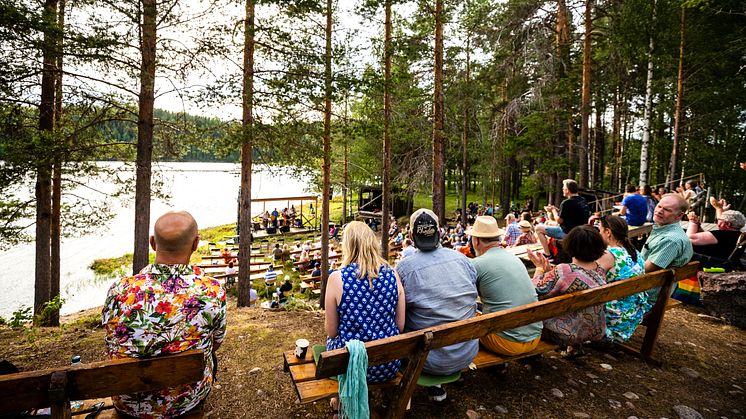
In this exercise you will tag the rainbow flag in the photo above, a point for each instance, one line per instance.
(688, 291)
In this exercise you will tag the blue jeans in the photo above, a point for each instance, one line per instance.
(555, 232)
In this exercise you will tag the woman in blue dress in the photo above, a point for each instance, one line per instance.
(364, 298)
(621, 261)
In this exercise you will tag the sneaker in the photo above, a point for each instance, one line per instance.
(436, 393)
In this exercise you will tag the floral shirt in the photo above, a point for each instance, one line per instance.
(164, 309)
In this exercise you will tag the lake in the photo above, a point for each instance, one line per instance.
(209, 191)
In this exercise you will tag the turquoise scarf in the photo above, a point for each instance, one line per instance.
(353, 386)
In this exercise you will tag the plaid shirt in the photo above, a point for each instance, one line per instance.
(512, 233)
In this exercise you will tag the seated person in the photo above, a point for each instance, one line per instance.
(512, 231)
(230, 273)
(527, 235)
(367, 277)
(181, 310)
(227, 255)
(718, 243)
(270, 276)
(585, 245)
(634, 207)
(285, 253)
(284, 288)
(277, 253)
(316, 269)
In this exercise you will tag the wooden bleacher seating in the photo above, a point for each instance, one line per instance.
(98, 381)
(312, 381)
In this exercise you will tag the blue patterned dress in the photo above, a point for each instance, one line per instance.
(623, 316)
(368, 314)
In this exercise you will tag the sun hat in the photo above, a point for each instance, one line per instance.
(425, 232)
(524, 225)
(510, 216)
(485, 226)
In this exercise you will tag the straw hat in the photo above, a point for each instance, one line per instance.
(524, 225)
(485, 226)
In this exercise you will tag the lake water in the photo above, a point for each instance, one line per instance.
(209, 191)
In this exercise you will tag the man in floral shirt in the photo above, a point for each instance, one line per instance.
(169, 307)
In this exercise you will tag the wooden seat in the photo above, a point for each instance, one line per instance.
(55, 387)
(312, 381)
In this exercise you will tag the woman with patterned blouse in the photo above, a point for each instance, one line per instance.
(621, 261)
(585, 245)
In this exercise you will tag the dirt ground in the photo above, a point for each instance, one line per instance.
(704, 368)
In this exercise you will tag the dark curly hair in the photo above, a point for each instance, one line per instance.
(584, 243)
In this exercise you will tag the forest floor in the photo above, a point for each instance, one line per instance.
(704, 368)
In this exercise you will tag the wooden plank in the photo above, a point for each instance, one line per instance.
(28, 390)
(290, 359)
(303, 372)
(486, 358)
(311, 391)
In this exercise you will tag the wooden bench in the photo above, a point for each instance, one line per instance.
(312, 382)
(98, 381)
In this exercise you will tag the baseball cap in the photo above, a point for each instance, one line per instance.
(425, 229)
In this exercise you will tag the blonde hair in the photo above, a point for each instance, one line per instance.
(360, 246)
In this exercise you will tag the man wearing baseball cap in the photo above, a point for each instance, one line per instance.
(503, 283)
(440, 287)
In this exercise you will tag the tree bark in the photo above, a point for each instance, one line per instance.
(145, 134)
(564, 127)
(438, 179)
(43, 192)
(386, 198)
(327, 152)
(465, 136)
(586, 97)
(679, 95)
(648, 107)
(55, 230)
(247, 125)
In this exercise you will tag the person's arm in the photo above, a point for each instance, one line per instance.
(331, 301)
(623, 211)
(651, 267)
(401, 305)
(698, 238)
(606, 261)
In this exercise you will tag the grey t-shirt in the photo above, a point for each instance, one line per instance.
(440, 287)
(503, 283)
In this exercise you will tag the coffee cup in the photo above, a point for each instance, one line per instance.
(301, 348)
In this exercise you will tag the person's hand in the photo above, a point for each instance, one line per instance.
(724, 205)
(743, 165)
(714, 202)
(538, 259)
(693, 218)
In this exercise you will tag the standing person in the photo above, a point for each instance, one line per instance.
(573, 211)
(503, 283)
(621, 261)
(364, 299)
(585, 245)
(668, 245)
(440, 287)
(634, 207)
(168, 307)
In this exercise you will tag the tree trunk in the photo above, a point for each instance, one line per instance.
(386, 198)
(55, 230)
(616, 164)
(438, 178)
(465, 136)
(564, 127)
(327, 151)
(599, 146)
(648, 108)
(247, 149)
(145, 134)
(586, 97)
(43, 192)
(679, 94)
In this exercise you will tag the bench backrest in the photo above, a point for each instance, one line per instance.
(384, 350)
(28, 390)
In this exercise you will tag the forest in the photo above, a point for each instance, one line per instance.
(507, 98)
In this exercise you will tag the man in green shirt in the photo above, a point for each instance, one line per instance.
(668, 245)
(503, 283)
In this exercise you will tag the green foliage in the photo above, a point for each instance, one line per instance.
(20, 317)
(50, 308)
(110, 267)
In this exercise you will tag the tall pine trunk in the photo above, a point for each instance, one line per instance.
(465, 139)
(386, 198)
(145, 134)
(247, 125)
(55, 230)
(564, 140)
(43, 190)
(438, 177)
(327, 152)
(648, 107)
(586, 97)
(679, 94)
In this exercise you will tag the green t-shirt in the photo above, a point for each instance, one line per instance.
(667, 247)
(503, 283)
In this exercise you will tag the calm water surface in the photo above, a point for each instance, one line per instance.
(208, 191)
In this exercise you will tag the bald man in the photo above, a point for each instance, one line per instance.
(668, 245)
(168, 307)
